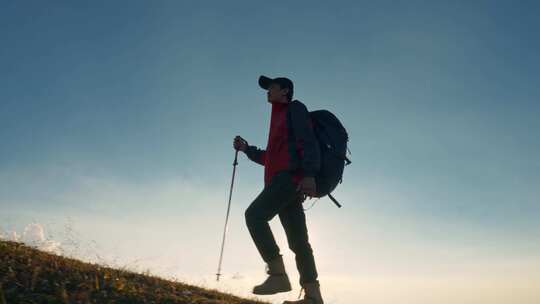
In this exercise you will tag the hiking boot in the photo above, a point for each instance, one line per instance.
(277, 281)
(312, 295)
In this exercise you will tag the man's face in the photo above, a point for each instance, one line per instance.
(276, 94)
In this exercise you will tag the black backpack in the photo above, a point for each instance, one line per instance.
(332, 138)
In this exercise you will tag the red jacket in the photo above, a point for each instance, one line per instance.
(292, 144)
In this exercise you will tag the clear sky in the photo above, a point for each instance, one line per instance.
(117, 120)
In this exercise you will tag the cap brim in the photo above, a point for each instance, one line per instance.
(265, 82)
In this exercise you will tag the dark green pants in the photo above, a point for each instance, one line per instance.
(280, 197)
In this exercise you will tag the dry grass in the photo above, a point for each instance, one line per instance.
(28, 275)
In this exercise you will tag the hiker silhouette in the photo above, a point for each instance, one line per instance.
(290, 164)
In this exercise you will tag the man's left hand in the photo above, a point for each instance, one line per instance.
(307, 187)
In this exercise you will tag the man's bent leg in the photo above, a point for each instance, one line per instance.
(273, 198)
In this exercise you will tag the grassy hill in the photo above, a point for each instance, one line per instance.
(28, 275)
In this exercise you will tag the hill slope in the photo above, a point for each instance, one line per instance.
(28, 275)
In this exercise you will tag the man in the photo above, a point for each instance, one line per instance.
(291, 160)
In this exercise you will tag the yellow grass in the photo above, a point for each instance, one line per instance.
(28, 275)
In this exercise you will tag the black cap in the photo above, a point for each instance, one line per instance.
(265, 82)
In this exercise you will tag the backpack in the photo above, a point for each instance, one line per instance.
(332, 138)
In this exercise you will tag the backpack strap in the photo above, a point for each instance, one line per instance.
(334, 200)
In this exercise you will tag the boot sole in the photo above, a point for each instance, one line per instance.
(287, 289)
(271, 293)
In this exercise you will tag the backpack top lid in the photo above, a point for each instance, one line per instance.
(326, 122)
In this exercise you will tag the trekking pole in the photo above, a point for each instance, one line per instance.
(227, 217)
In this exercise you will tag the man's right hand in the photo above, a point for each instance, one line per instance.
(240, 144)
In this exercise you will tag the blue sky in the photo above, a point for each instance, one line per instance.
(118, 114)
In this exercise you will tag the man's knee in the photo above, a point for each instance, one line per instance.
(248, 215)
(251, 215)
